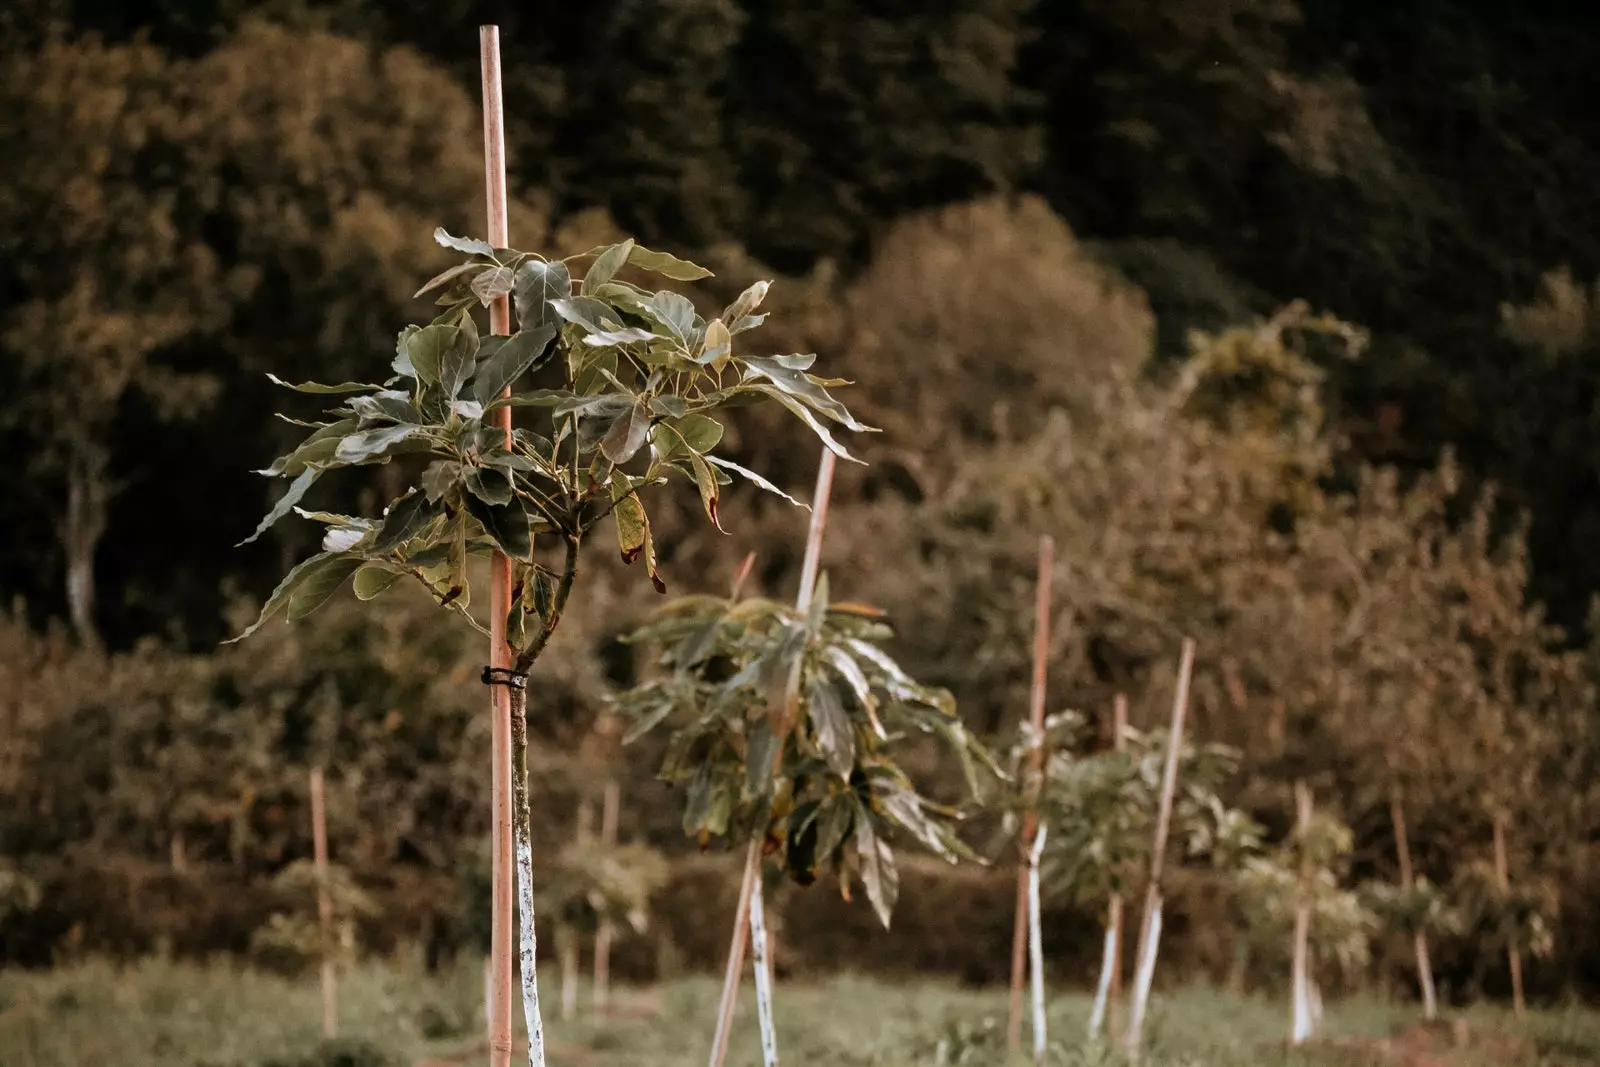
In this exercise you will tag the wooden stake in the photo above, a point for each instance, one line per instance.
(502, 872)
(1036, 754)
(1036, 947)
(1300, 1021)
(610, 813)
(1419, 939)
(1150, 928)
(319, 853)
(1502, 874)
(751, 882)
(1108, 994)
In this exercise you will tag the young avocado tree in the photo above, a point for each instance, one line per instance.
(1501, 915)
(816, 782)
(298, 938)
(628, 385)
(1292, 896)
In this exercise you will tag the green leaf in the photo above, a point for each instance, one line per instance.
(836, 738)
(606, 265)
(700, 432)
(402, 356)
(761, 754)
(833, 824)
(539, 596)
(749, 322)
(374, 579)
(440, 477)
(317, 387)
(404, 519)
(627, 435)
(784, 373)
(286, 502)
(388, 406)
(672, 407)
(755, 479)
(878, 871)
(631, 524)
(317, 585)
(368, 445)
(748, 301)
(468, 245)
(809, 419)
(432, 349)
(506, 524)
(676, 313)
(593, 315)
(717, 345)
(616, 338)
(510, 361)
(489, 485)
(667, 265)
(492, 284)
(537, 284)
(445, 276)
(280, 596)
(710, 493)
(536, 398)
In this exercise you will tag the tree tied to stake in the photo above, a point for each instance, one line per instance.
(635, 381)
(817, 782)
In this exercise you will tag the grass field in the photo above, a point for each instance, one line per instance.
(157, 1014)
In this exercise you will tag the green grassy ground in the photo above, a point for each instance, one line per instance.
(157, 1014)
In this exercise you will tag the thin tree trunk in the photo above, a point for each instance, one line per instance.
(1036, 761)
(567, 947)
(529, 953)
(1419, 937)
(501, 788)
(1036, 948)
(1110, 966)
(1150, 929)
(1502, 873)
(319, 852)
(1119, 743)
(752, 859)
(81, 530)
(758, 951)
(1300, 1023)
(610, 814)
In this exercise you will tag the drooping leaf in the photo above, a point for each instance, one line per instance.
(667, 265)
(447, 275)
(279, 599)
(539, 596)
(833, 824)
(440, 477)
(761, 751)
(378, 443)
(809, 419)
(373, 580)
(286, 502)
(835, 736)
(605, 266)
(506, 524)
(615, 338)
(317, 586)
(627, 435)
(755, 479)
(878, 872)
(717, 345)
(593, 315)
(318, 387)
(672, 407)
(784, 373)
(492, 284)
(701, 433)
(537, 284)
(405, 519)
(467, 245)
(631, 523)
(511, 360)
(489, 484)
(387, 406)
(710, 493)
(317, 448)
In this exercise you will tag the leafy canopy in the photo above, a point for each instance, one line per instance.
(634, 382)
(814, 778)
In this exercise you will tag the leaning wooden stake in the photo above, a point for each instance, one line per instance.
(610, 812)
(750, 885)
(319, 853)
(1108, 993)
(510, 880)
(1150, 928)
(1036, 947)
(1419, 939)
(1301, 1021)
(1502, 874)
(1036, 756)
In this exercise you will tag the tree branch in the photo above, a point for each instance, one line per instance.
(527, 656)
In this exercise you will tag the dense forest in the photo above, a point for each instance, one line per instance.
(1276, 315)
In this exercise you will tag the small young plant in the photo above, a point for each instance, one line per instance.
(1505, 918)
(592, 884)
(295, 939)
(830, 798)
(1424, 908)
(628, 384)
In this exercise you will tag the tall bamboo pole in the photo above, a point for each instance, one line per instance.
(1036, 754)
(750, 884)
(1419, 938)
(1150, 929)
(1502, 874)
(502, 871)
(319, 854)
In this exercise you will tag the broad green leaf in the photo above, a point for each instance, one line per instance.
(539, 595)
(279, 599)
(445, 276)
(836, 738)
(761, 753)
(805, 416)
(510, 361)
(878, 871)
(286, 502)
(490, 485)
(667, 265)
(672, 407)
(318, 387)
(402, 355)
(748, 301)
(440, 477)
(492, 284)
(367, 445)
(316, 586)
(593, 315)
(317, 448)
(833, 824)
(788, 376)
(676, 313)
(706, 482)
(755, 479)
(374, 579)
(406, 518)
(387, 406)
(433, 348)
(614, 338)
(506, 524)
(627, 435)
(851, 673)
(631, 523)
(605, 266)
(458, 360)
(749, 322)
(537, 284)
(700, 432)
(468, 410)
(717, 346)
(468, 245)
